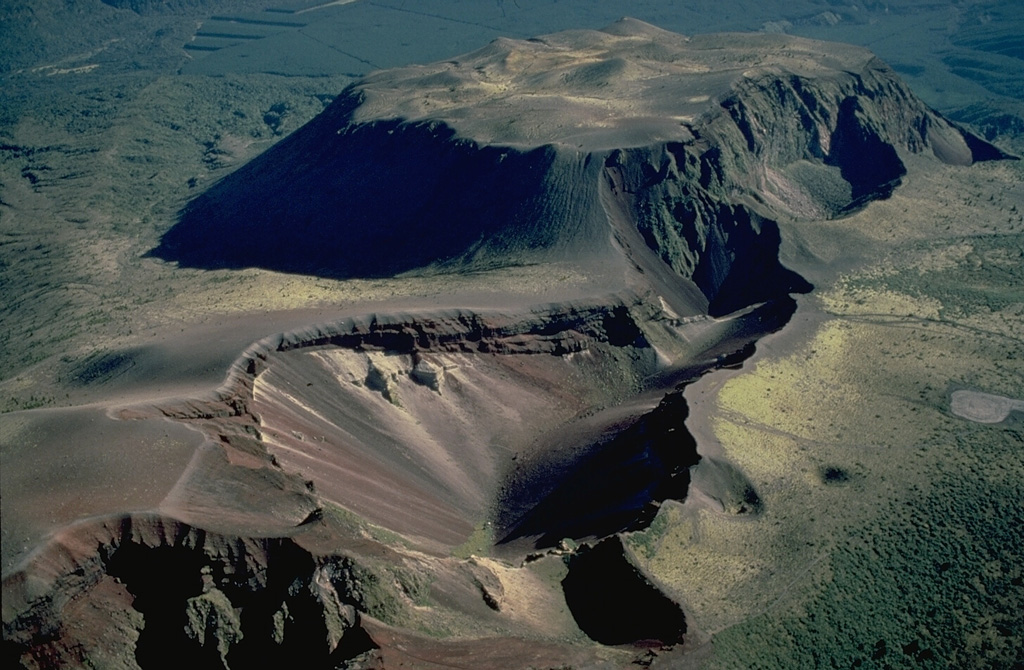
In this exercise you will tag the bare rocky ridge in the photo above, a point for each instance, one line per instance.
(348, 469)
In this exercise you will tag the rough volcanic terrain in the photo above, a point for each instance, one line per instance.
(463, 484)
(631, 148)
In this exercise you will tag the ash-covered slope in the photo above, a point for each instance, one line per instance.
(565, 147)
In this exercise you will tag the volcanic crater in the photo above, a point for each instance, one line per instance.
(420, 485)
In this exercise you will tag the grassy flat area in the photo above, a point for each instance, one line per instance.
(92, 174)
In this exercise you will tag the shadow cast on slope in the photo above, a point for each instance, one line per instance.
(641, 611)
(382, 199)
(612, 486)
(617, 482)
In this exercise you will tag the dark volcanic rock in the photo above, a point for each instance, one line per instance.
(545, 149)
(147, 591)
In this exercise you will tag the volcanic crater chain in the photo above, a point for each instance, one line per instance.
(349, 471)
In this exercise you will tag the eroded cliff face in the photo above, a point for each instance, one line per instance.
(145, 590)
(558, 148)
(823, 146)
(779, 146)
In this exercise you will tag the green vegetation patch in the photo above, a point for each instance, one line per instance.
(887, 536)
(479, 543)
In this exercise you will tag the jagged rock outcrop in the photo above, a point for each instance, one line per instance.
(566, 146)
(160, 592)
(428, 373)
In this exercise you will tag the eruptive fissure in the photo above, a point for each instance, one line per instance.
(349, 469)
